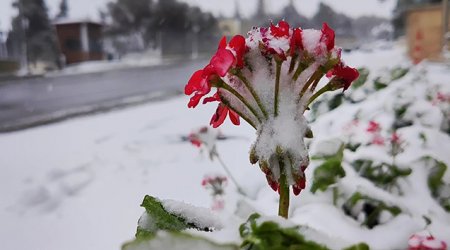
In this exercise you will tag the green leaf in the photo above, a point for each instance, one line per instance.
(359, 246)
(398, 73)
(383, 175)
(327, 174)
(268, 235)
(335, 101)
(363, 75)
(160, 218)
(435, 177)
(176, 241)
(379, 83)
(371, 207)
(157, 218)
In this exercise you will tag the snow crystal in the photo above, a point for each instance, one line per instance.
(310, 39)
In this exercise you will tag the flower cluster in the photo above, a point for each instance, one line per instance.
(374, 129)
(425, 241)
(206, 138)
(269, 79)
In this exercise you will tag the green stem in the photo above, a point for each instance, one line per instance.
(253, 92)
(319, 92)
(313, 78)
(239, 189)
(292, 65)
(283, 205)
(227, 87)
(277, 87)
(335, 195)
(298, 71)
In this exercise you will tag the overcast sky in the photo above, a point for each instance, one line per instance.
(89, 8)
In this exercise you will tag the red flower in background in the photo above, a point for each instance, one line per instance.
(373, 127)
(424, 241)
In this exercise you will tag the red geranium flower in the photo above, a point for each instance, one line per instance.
(345, 75)
(220, 115)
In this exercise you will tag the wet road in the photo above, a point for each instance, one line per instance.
(35, 101)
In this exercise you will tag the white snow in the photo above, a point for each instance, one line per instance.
(201, 217)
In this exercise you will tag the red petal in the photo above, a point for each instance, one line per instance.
(193, 102)
(296, 190)
(194, 82)
(222, 43)
(296, 41)
(345, 74)
(222, 61)
(282, 29)
(213, 98)
(220, 115)
(234, 117)
(273, 184)
(237, 43)
(327, 36)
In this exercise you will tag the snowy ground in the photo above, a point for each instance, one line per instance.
(78, 184)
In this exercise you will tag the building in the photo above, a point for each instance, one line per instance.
(425, 32)
(79, 40)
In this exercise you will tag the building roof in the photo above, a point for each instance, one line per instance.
(63, 21)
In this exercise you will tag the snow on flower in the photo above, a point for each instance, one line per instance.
(269, 79)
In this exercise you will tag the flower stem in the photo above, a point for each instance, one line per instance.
(335, 195)
(292, 64)
(253, 92)
(298, 71)
(227, 87)
(283, 205)
(239, 189)
(319, 92)
(314, 78)
(277, 87)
